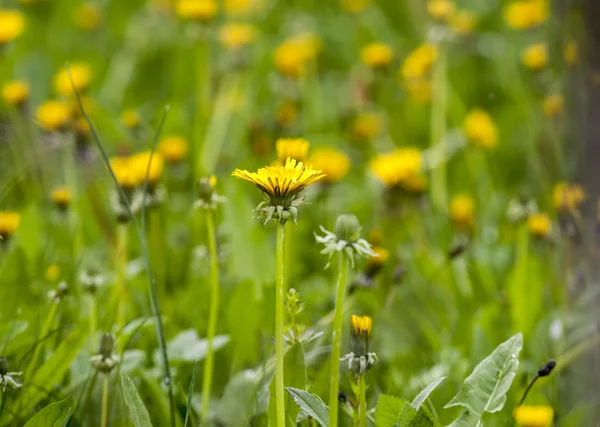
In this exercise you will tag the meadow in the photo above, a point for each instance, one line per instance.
(280, 213)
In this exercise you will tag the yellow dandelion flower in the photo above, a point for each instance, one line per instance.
(379, 258)
(139, 164)
(526, 14)
(334, 163)
(419, 62)
(9, 222)
(355, 6)
(54, 115)
(87, 16)
(416, 183)
(235, 36)
(361, 325)
(293, 54)
(61, 197)
(534, 416)
(462, 211)
(366, 126)
(131, 119)
(242, 7)
(394, 168)
(82, 127)
(553, 105)
(12, 24)
(281, 183)
(15, 92)
(535, 57)
(463, 22)
(52, 272)
(441, 10)
(173, 148)
(377, 55)
(571, 53)
(295, 148)
(480, 129)
(124, 172)
(539, 224)
(287, 112)
(197, 10)
(567, 197)
(82, 75)
(419, 90)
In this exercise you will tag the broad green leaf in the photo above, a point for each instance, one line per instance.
(421, 397)
(54, 415)
(485, 389)
(294, 376)
(311, 404)
(138, 414)
(188, 347)
(392, 412)
(466, 419)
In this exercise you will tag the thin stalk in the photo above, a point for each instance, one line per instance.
(214, 311)
(39, 345)
(121, 262)
(336, 348)
(93, 320)
(362, 407)
(202, 101)
(438, 128)
(104, 415)
(279, 354)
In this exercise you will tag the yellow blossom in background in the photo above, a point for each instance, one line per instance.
(9, 222)
(441, 10)
(173, 148)
(131, 119)
(366, 126)
(87, 16)
(15, 92)
(567, 197)
(123, 169)
(377, 55)
(355, 6)
(52, 272)
(463, 22)
(381, 255)
(12, 24)
(534, 416)
(82, 75)
(419, 90)
(553, 105)
(396, 167)
(462, 211)
(480, 129)
(334, 163)
(295, 148)
(571, 53)
(242, 7)
(539, 224)
(82, 127)
(535, 57)
(287, 113)
(526, 14)
(235, 36)
(416, 183)
(197, 10)
(418, 63)
(54, 115)
(61, 197)
(139, 164)
(293, 54)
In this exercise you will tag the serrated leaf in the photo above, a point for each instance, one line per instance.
(138, 414)
(56, 414)
(421, 397)
(388, 410)
(311, 404)
(485, 389)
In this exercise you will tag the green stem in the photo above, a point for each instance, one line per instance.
(202, 95)
(214, 311)
(39, 344)
(121, 261)
(438, 128)
(93, 320)
(279, 293)
(336, 348)
(362, 408)
(104, 415)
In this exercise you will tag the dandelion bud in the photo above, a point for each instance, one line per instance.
(206, 188)
(105, 360)
(347, 227)
(3, 366)
(361, 334)
(547, 369)
(106, 345)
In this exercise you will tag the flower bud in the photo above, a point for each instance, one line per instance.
(206, 188)
(361, 334)
(3, 366)
(106, 345)
(347, 227)
(547, 368)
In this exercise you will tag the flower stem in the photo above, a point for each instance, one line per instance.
(104, 415)
(438, 128)
(334, 384)
(121, 262)
(39, 344)
(214, 311)
(279, 293)
(93, 320)
(362, 408)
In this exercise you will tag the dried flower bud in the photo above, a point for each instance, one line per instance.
(547, 369)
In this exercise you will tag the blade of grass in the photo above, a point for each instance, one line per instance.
(155, 305)
(189, 399)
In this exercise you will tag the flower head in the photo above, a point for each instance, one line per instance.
(462, 209)
(292, 56)
(480, 128)
(295, 148)
(463, 22)
(359, 359)
(54, 115)
(147, 163)
(235, 36)
(61, 197)
(396, 167)
(197, 10)
(12, 25)
(526, 14)
(376, 262)
(131, 119)
(334, 163)
(441, 10)
(345, 239)
(81, 74)
(15, 92)
(419, 90)
(87, 16)
(534, 416)
(241, 7)
(9, 222)
(535, 57)
(377, 55)
(173, 149)
(419, 62)
(124, 172)
(366, 126)
(553, 105)
(539, 224)
(52, 272)
(105, 361)
(567, 197)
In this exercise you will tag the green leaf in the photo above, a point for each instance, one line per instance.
(392, 412)
(188, 347)
(54, 415)
(485, 389)
(138, 414)
(466, 419)
(294, 376)
(425, 393)
(240, 399)
(311, 404)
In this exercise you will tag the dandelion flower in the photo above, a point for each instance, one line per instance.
(87, 16)
(82, 75)
(553, 105)
(378, 259)
(535, 57)
(441, 10)
(197, 10)
(567, 197)
(124, 172)
(52, 272)
(292, 56)
(241, 7)
(61, 197)
(462, 209)
(15, 92)
(235, 36)
(360, 359)
(526, 14)
(54, 115)
(366, 126)
(392, 169)
(173, 148)
(539, 224)
(463, 22)
(9, 222)
(140, 162)
(480, 129)
(295, 148)
(334, 163)
(12, 25)
(131, 119)
(419, 62)
(534, 416)
(377, 55)
(419, 90)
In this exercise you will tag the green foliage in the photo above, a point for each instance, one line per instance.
(392, 412)
(138, 414)
(424, 394)
(311, 404)
(56, 414)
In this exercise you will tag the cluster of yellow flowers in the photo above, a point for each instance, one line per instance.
(130, 171)
(567, 197)
(480, 129)
(415, 70)
(526, 14)
(293, 55)
(377, 55)
(462, 211)
(400, 168)
(13, 25)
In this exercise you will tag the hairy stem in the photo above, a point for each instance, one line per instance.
(279, 293)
